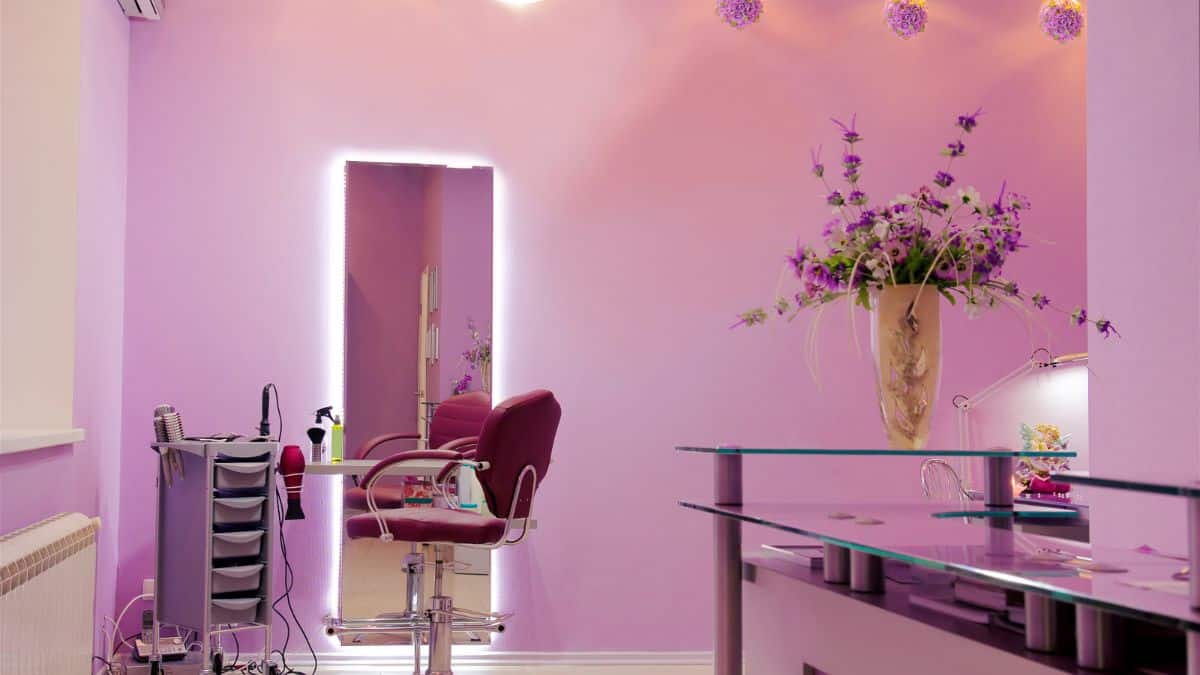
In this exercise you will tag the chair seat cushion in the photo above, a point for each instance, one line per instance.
(386, 497)
(432, 525)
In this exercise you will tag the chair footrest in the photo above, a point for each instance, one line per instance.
(460, 621)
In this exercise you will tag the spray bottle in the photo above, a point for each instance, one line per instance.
(337, 438)
(316, 434)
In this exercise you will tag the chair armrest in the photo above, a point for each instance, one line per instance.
(465, 447)
(460, 444)
(366, 448)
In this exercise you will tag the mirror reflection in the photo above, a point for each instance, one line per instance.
(418, 364)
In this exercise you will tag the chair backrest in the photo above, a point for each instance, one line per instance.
(458, 417)
(518, 433)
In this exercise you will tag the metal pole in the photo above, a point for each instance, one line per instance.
(997, 480)
(866, 573)
(1096, 639)
(1041, 623)
(836, 564)
(727, 536)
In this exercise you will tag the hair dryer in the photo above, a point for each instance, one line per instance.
(291, 467)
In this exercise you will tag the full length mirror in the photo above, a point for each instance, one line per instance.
(418, 362)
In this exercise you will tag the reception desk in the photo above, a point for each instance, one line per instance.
(1068, 604)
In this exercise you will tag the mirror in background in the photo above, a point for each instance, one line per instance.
(418, 330)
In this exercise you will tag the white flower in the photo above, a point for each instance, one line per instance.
(904, 199)
(969, 196)
(972, 308)
(881, 228)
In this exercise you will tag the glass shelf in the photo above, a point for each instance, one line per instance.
(736, 450)
(1149, 485)
(1142, 586)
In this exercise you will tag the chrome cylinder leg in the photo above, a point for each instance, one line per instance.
(997, 481)
(1193, 525)
(440, 608)
(1096, 639)
(866, 572)
(1041, 623)
(1193, 653)
(727, 534)
(414, 580)
(836, 564)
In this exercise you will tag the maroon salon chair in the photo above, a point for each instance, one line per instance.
(455, 426)
(510, 459)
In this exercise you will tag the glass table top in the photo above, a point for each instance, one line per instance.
(1150, 485)
(738, 450)
(1124, 581)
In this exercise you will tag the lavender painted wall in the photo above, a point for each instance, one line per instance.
(466, 267)
(654, 169)
(385, 219)
(1143, 118)
(86, 477)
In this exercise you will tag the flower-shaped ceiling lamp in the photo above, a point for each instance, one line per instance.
(739, 13)
(1062, 20)
(906, 18)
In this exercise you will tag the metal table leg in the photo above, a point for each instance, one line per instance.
(1041, 623)
(1193, 525)
(1097, 635)
(997, 481)
(727, 535)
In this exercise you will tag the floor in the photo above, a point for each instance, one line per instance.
(480, 670)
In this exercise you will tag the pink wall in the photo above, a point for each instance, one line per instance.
(466, 267)
(86, 477)
(1143, 117)
(654, 164)
(385, 218)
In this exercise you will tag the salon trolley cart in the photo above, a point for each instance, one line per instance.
(217, 527)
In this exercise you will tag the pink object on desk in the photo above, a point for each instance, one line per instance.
(1042, 486)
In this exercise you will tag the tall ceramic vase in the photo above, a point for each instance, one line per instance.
(906, 343)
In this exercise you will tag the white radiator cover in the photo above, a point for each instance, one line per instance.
(47, 596)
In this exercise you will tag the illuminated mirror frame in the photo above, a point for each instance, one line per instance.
(336, 339)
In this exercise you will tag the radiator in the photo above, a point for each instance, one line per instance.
(47, 591)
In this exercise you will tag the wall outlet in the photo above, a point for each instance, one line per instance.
(148, 586)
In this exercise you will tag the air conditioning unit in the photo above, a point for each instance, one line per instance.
(142, 9)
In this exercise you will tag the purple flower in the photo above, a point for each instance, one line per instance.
(851, 161)
(1105, 328)
(857, 198)
(739, 13)
(968, 122)
(835, 199)
(1079, 316)
(1061, 20)
(849, 133)
(1040, 301)
(1011, 289)
(818, 168)
(906, 18)
(462, 384)
(830, 227)
(943, 179)
(955, 149)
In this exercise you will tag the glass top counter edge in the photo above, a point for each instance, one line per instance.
(877, 452)
(1147, 485)
(999, 578)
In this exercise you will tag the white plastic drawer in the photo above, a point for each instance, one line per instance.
(234, 610)
(233, 579)
(241, 475)
(237, 544)
(238, 510)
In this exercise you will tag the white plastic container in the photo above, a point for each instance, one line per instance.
(237, 544)
(240, 475)
(238, 510)
(234, 579)
(234, 610)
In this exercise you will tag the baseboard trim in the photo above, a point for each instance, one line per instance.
(393, 657)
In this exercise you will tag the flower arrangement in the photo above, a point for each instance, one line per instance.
(870, 247)
(1033, 473)
(906, 18)
(1062, 20)
(739, 13)
(477, 357)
